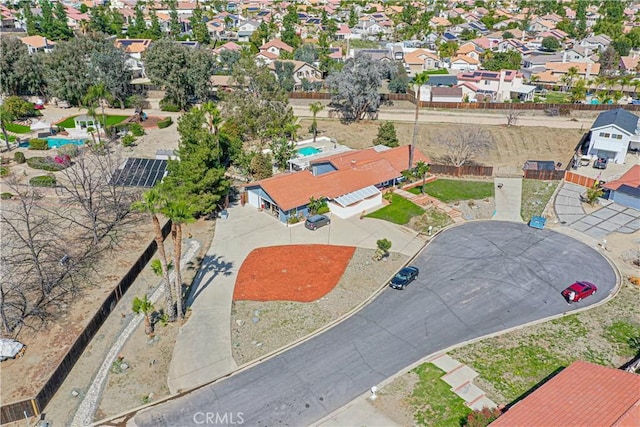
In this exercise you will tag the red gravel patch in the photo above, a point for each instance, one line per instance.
(301, 273)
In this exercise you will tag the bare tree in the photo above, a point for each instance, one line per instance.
(512, 116)
(87, 185)
(42, 262)
(465, 143)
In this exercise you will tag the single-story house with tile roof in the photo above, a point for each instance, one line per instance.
(584, 394)
(349, 181)
(612, 134)
(626, 189)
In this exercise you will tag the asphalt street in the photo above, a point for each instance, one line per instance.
(475, 279)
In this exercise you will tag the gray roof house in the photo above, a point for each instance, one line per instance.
(613, 133)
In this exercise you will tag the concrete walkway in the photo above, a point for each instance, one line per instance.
(610, 217)
(508, 199)
(426, 200)
(203, 347)
(361, 411)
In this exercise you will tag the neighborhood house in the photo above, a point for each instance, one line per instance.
(613, 133)
(351, 182)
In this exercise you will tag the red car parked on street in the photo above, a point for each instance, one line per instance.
(579, 291)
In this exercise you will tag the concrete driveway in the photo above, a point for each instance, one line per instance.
(610, 218)
(203, 347)
(475, 279)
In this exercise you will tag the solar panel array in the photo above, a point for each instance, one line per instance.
(139, 173)
(356, 196)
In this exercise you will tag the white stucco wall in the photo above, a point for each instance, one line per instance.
(619, 146)
(357, 208)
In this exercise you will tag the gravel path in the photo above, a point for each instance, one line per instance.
(87, 409)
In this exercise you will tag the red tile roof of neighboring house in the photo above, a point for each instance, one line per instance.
(356, 170)
(278, 44)
(583, 394)
(37, 41)
(630, 178)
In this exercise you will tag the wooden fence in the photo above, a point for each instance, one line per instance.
(33, 407)
(578, 179)
(461, 170)
(545, 175)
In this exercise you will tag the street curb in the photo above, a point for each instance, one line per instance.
(129, 414)
(432, 356)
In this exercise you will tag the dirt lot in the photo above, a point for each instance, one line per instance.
(148, 359)
(258, 328)
(514, 145)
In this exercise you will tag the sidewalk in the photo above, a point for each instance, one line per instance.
(508, 199)
(203, 347)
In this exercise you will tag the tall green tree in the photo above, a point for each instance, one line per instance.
(182, 72)
(98, 94)
(109, 66)
(198, 177)
(152, 204)
(199, 27)
(284, 74)
(282, 150)
(175, 27)
(139, 27)
(67, 69)
(259, 106)
(20, 73)
(154, 32)
(386, 135)
(354, 89)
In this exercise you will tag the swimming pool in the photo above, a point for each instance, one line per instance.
(55, 142)
(308, 151)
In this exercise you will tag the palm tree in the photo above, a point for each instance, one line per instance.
(5, 118)
(98, 93)
(291, 129)
(572, 73)
(91, 112)
(152, 204)
(179, 212)
(419, 80)
(214, 118)
(625, 81)
(144, 306)
(315, 108)
(421, 170)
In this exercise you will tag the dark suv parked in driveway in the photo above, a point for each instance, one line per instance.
(316, 221)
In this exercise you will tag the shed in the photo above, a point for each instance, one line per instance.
(446, 94)
(84, 121)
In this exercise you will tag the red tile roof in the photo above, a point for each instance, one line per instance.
(583, 394)
(630, 178)
(356, 170)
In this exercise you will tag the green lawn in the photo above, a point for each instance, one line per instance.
(557, 98)
(431, 72)
(433, 402)
(111, 120)
(535, 196)
(400, 211)
(515, 362)
(451, 190)
(16, 128)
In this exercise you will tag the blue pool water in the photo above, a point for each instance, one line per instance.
(308, 151)
(55, 142)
